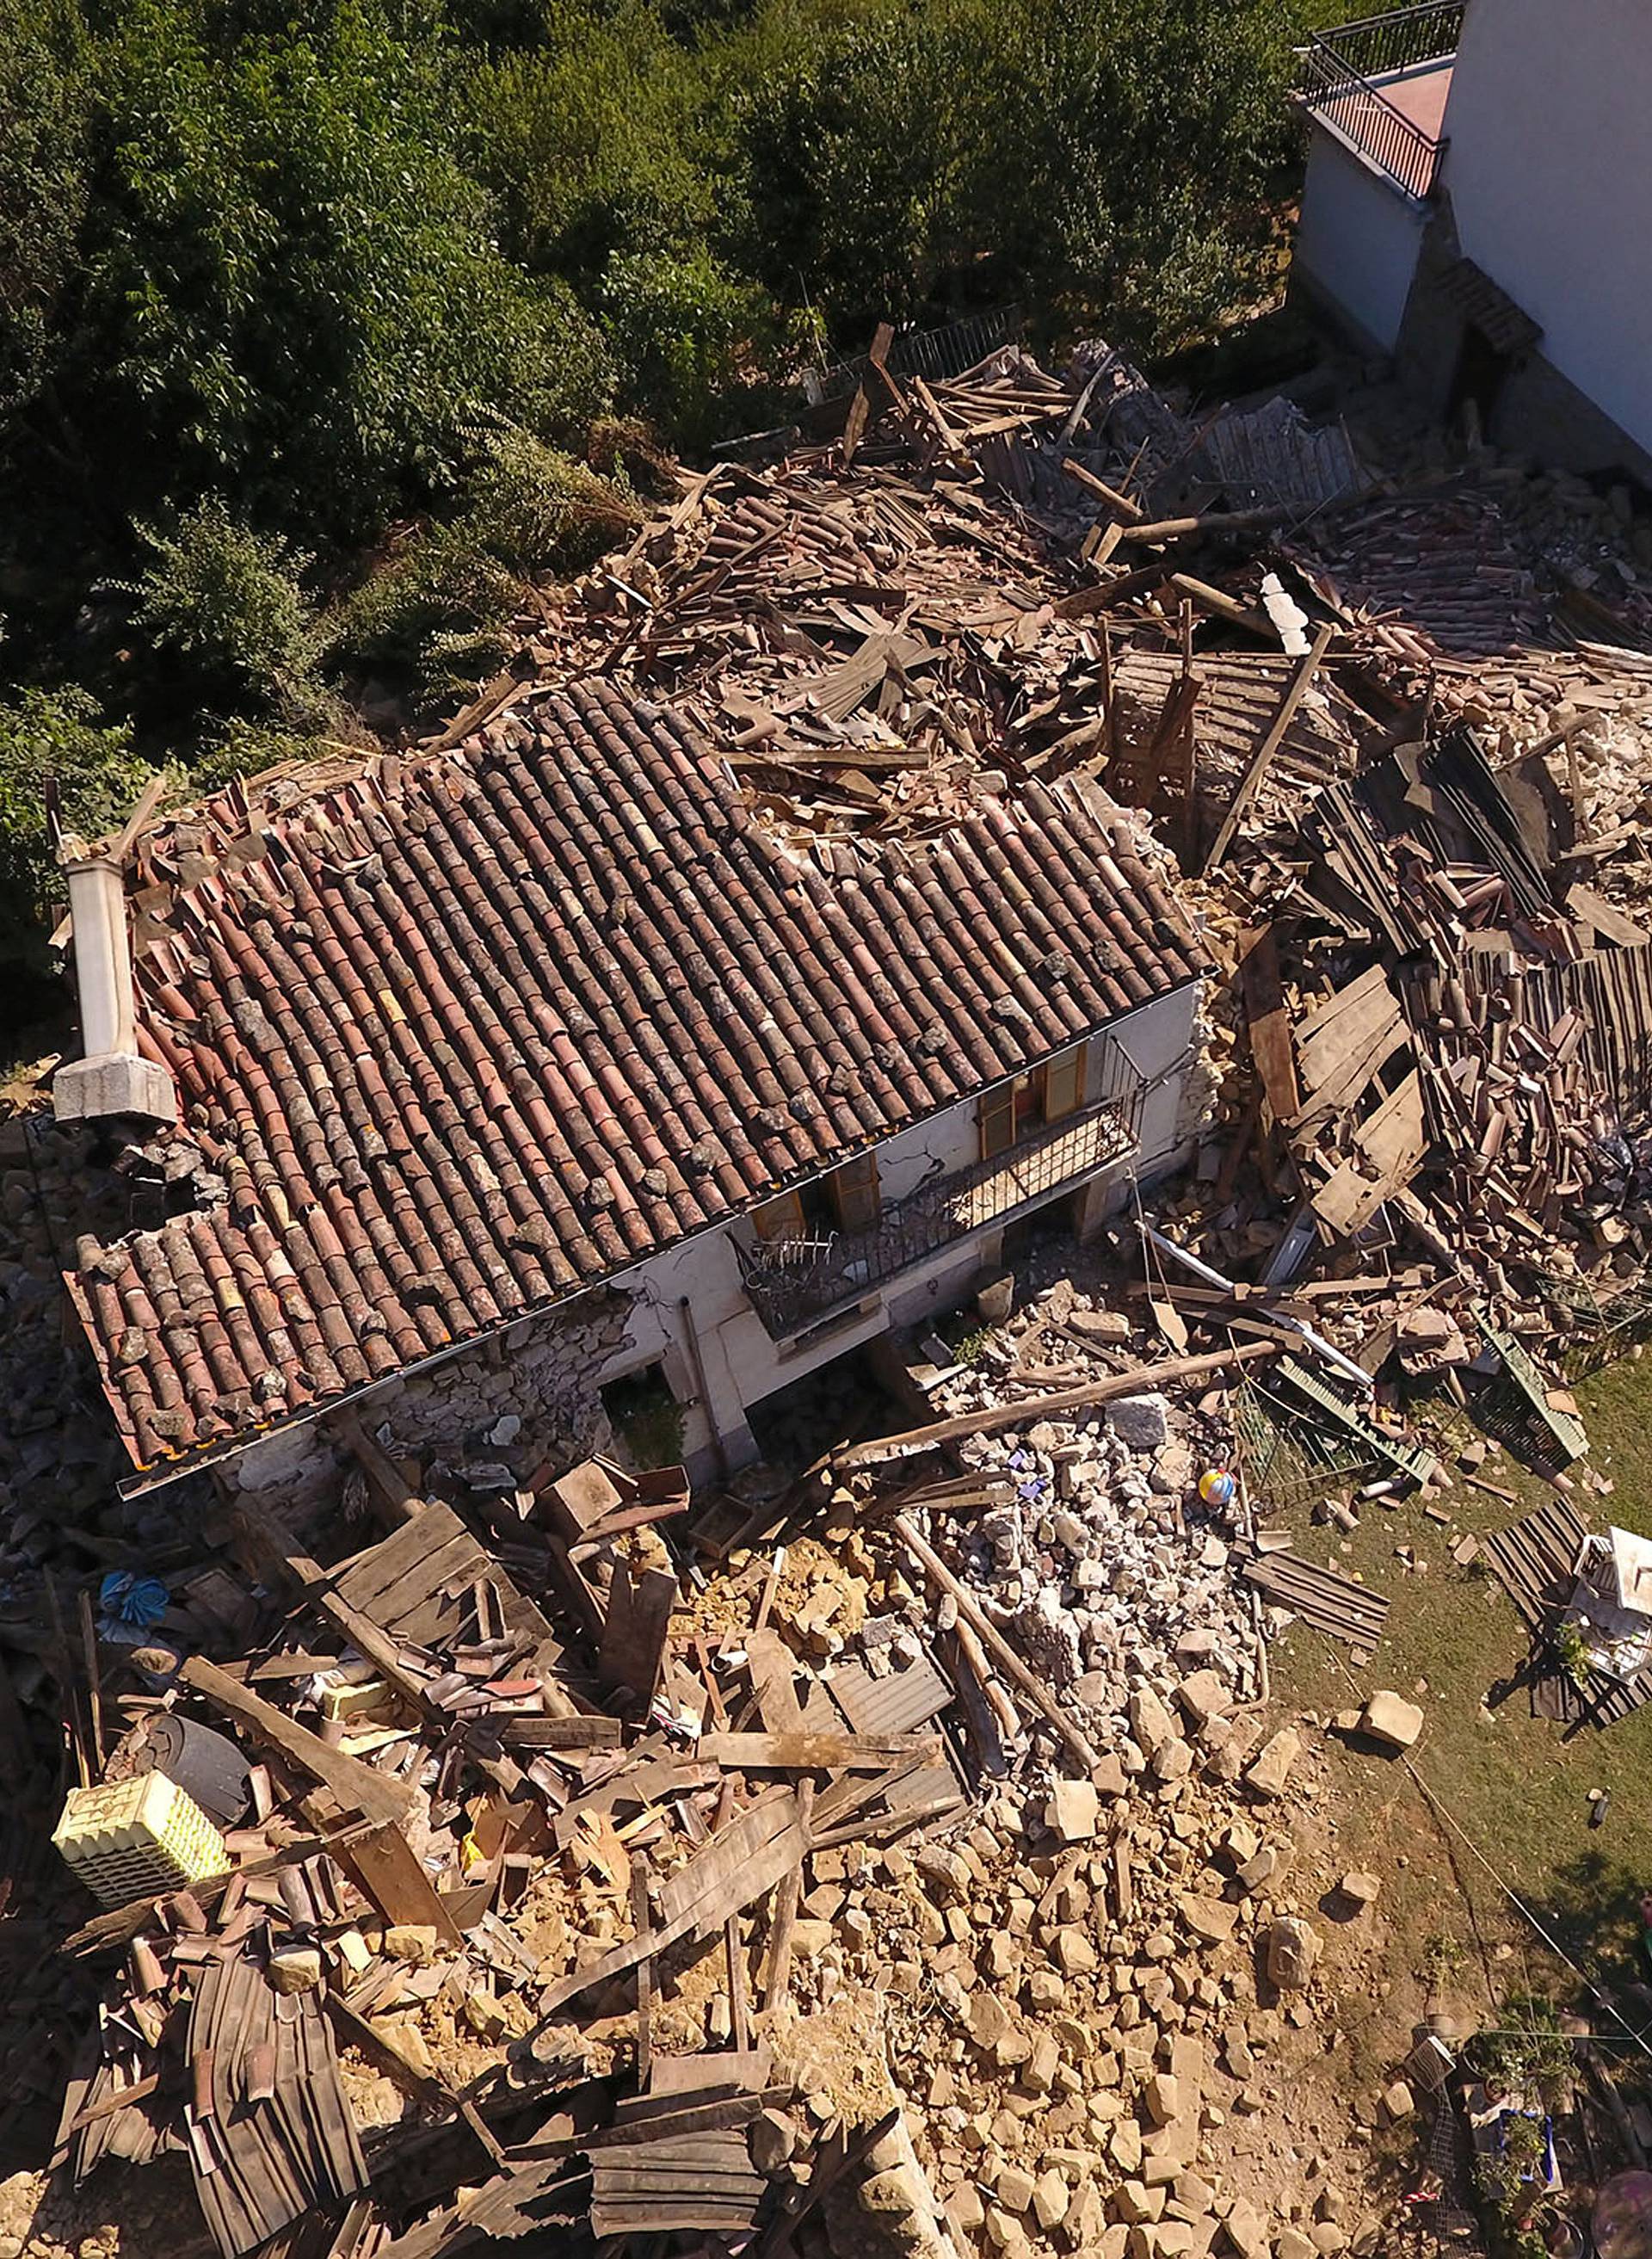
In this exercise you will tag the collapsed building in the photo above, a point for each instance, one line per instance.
(888, 849)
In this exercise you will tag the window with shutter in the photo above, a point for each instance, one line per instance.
(996, 1115)
(855, 1195)
(1063, 1084)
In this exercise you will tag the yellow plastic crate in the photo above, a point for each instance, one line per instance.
(138, 1838)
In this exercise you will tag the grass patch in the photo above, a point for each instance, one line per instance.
(1517, 1789)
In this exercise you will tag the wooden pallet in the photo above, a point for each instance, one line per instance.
(1534, 1560)
(1331, 1603)
(419, 1585)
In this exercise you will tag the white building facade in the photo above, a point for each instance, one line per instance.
(735, 1315)
(1478, 208)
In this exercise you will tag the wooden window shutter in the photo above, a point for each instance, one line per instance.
(996, 1115)
(1063, 1084)
(780, 1219)
(854, 1191)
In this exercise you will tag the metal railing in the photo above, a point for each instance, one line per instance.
(933, 354)
(1343, 73)
(1404, 39)
(791, 1282)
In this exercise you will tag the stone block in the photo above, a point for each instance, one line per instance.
(1270, 1767)
(1139, 1422)
(1388, 1718)
(1073, 1810)
(1292, 1948)
(1212, 1919)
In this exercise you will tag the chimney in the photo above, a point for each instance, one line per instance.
(112, 1079)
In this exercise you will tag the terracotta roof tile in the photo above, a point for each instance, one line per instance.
(472, 1033)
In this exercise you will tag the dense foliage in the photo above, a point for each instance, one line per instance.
(324, 322)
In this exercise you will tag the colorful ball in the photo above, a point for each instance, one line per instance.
(1216, 1486)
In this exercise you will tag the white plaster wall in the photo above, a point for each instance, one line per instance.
(1550, 172)
(743, 1365)
(1357, 240)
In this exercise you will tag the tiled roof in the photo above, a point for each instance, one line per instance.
(469, 1035)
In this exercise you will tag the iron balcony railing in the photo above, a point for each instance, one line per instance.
(1348, 78)
(791, 1282)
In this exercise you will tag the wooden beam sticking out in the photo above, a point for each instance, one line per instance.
(1135, 1383)
(387, 1485)
(739, 1997)
(1224, 606)
(644, 1975)
(148, 801)
(785, 1904)
(393, 1878)
(1130, 511)
(806, 1752)
(1180, 528)
(1251, 783)
(356, 1785)
(990, 1636)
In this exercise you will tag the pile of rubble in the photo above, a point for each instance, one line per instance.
(683, 1907)
(904, 1855)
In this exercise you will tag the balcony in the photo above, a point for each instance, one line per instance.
(1380, 85)
(791, 1282)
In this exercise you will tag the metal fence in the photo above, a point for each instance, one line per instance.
(1342, 83)
(1404, 39)
(932, 354)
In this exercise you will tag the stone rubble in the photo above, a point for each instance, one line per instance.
(1081, 1987)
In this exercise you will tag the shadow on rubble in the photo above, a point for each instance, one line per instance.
(155, 2213)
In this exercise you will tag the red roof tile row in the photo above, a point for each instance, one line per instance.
(473, 1034)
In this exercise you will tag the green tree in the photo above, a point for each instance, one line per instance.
(54, 737)
(45, 111)
(589, 142)
(294, 296)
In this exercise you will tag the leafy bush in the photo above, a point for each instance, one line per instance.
(227, 602)
(680, 326)
(434, 617)
(535, 509)
(62, 736)
(1527, 2054)
(438, 616)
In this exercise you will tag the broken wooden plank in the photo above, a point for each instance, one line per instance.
(356, 1785)
(785, 1905)
(1268, 1022)
(639, 1610)
(802, 1752)
(1250, 784)
(387, 1485)
(738, 1865)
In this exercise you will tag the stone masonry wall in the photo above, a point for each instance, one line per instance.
(481, 1421)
